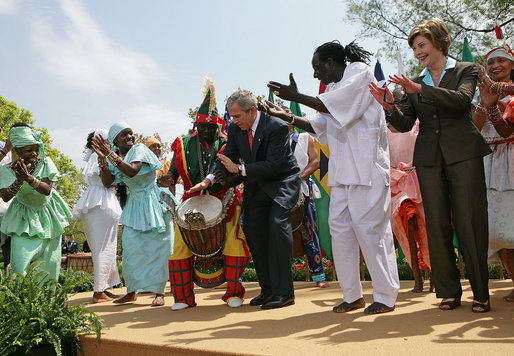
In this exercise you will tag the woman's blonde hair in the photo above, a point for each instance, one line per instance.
(436, 31)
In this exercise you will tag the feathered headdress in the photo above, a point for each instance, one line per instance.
(208, 112)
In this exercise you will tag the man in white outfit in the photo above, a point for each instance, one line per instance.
(354, 127)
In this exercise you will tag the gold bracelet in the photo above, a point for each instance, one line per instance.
(35, 183)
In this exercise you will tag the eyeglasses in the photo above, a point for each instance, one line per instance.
(403, 99)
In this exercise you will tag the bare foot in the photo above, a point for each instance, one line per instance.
(111, 295)
(158, 301)
(418, 286)
(432, 286)
(127, 298)
(509, 297)
(322, 284)
(100, 297)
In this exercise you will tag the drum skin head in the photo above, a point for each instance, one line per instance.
(210, 207)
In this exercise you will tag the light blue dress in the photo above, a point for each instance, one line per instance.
(146, 238)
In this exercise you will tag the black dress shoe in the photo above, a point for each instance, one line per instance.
(279, 301)
(260, 299)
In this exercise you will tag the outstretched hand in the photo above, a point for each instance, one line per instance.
(409, 86)
(274, 110)
(286, 92)
(204, 184)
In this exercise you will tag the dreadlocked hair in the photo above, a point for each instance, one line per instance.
(350, 53)
(356, 54)
(89, 142)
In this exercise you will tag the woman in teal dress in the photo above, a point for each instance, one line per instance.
(37, 215)
(146, 237)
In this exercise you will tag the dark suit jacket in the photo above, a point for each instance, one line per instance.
(271, 166)
(444, 114)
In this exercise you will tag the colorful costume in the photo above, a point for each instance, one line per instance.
(34, 220)
(235, 252)
(146, 237)
(406, 199)
(100, 213)
(499, 178)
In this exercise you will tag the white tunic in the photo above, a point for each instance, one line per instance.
(355, 130)
(301, 153)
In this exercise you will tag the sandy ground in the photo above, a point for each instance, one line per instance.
(309, 327)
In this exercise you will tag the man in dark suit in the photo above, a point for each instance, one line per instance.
(258, 148)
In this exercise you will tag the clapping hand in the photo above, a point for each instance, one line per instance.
(21, 170)
(101, 146)
(408, 85)
(484, 84)
(227, 162)
(382, 95)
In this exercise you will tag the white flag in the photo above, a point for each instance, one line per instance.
(400, 63)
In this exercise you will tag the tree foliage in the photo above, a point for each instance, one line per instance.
(392, 20)
(71, 183)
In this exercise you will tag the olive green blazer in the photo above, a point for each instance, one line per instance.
(444, 114)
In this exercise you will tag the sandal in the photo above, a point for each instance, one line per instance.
(346, 307)
(478, 307)
(450, 304)
(378, 308)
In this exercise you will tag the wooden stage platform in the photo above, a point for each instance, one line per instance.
(309, 327)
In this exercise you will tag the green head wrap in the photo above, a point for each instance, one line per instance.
(22, 136)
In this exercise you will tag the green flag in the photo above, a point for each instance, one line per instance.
(466, 52)
(271, 97)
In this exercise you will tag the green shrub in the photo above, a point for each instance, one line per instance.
(34, 312)
(80, 281)
(249, 275)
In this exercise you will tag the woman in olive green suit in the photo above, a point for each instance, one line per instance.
(448, 159)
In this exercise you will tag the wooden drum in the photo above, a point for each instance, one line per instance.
(209, 272)
(80, 262)
(201, 221)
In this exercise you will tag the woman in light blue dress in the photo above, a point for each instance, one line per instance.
(146, 237)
